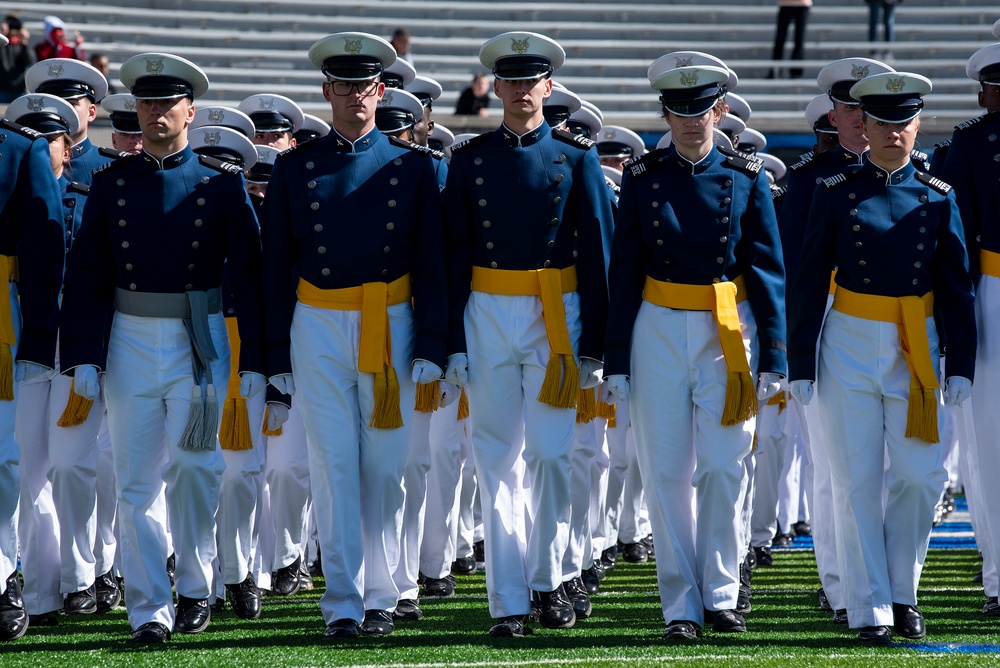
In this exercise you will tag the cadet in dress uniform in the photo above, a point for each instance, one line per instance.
(312, 127)
(126, 136)
(541, 239)
(427, 90)
(440, 138)
(694, 315)
(168, 355)
(83, 86)
(275, 118)
(896, 238)
(971, 166)
(31, 218)
(348, 334)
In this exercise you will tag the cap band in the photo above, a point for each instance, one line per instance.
(578, 128)
(125, 122)
(45, 122)
(305, 135)
(270, 121)
(519, 68)
(67, 89)
(222, 153)
(352, 68)
(614, 149)
(425, 100)
(392, 80)
(841, 91)
(435, 144)
(555, 114)
(259, 173)
(393, 119)
(161, 87)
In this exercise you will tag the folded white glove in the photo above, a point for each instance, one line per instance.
(283, 383)
(802, 391)
(458, 370)
(615, 388)
(425, 372)
(449, 393)
(957, 390)
(251, 384)
(25, 371)
(590, 372)
(86, 382)
(768, 385)
(277, 415)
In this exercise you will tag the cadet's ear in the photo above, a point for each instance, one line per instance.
(326, 91)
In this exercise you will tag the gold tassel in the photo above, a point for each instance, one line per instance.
(930, 416)
(267, 421)
(234, 432)
(386, 414)
(921, 414)
(562, 379)
(6, 373)
(741, 399)
(607, 411)
(463, 405)
(586, 406)
(77, 409)
(428, 398)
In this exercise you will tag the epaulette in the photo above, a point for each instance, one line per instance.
(639, 164)
(21, 129)
(811, 158)
(78, 188)
(218, 165)
(299, 145)
(835, 180)
(471, 141)
(113, 165)
(919, 155)
(741, 161)
(934, 182)
(615, 188)
(943, 144)
(112, 153)
(778, 192)
(808, 155)
(743, 154)
(413, 146)
(972, 122)
(571, 138)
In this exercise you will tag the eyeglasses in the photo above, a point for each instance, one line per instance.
(345, 88)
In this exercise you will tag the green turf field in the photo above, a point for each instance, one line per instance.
(786, 628)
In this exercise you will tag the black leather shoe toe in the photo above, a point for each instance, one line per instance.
(193, 615)
(908, 622)
(286, 581)
(875, 635)
(510, 627)
(151, 633)
(342, 629)
(682, 630)
(377, 623)
(245, 598)
(556, 609)
(83, 602)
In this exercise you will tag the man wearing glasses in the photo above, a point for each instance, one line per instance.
(355, 218)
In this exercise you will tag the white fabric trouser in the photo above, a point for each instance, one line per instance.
(106, 540)
(287, 473)
(439, 547)
(790, 507)
(692, 466)
(863, 386)
(356, 471)
(508, 352)
(415, 486)
(600, 467)
(470, 510)
(633, 522)
(10, 480)
(584, 484)
(769, 461)
(618, 453)
(148, 392)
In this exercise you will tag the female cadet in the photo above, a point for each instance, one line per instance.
(695, 273)
(895, 236)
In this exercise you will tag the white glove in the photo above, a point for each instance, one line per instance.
(283, 383)
(957, 390)
(449, 393)
(615, 388)
(425, 372)
(251, 384)
(590, 372)
(802, 391)
(768, 385)
(25, 371)
(277, 415)
(86, 382)
(458, 370)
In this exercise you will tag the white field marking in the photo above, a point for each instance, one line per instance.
(622, 660)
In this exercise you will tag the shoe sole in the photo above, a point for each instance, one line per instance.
(875, 642)
(564, 625)
(197, 630)
(909, 637)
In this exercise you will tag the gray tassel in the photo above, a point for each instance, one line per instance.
(211, 419)
(192, 438)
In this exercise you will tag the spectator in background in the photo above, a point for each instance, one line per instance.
(54, 44)
(15, 59)
(100, 62)
(475, 100)
(886, 10)
(789, 11)
(401, 42)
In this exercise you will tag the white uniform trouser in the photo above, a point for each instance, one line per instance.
(106, 540)
(600, 467)
(694, 486)
(769, 460)
(618, 453)
(508, 351)
(578, 554)
(287, 473)
(439, 546)
(10, 482)
(470, 510)
(790, 487)
(239, 499)
(863, 385)
(415, 487)
(633, 522)
(356, 471)
(148, 392)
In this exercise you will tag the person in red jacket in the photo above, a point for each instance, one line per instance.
(55, 45)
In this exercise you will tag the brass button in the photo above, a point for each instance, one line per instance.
(852, 196)
(857, 244)
(727, 200)
(486, 224)
(725, 219)
(659, 242)
(656, 205)
(854, 212)
(386, 249)
(656, 223)
(390, 226)
(124, 244)
(321, 250)
(314, 206)
(923, 213)
(205, 179)
(121, 223)
(556, 200)
(392, 203)
(923, 198)
(131, 286)
(120, 182)
(189, 287)
(385, 272)
(723, 239)
(128, 266)
(393, 181)
(550, 244)
(200, 201)
(856, 228)
(656, 186)
(917, 265)
(728, 182)
(720, 260)
(482, 202)
(121, 202)
(195, 245)
(397, 162)
(920, 246)
(862, 263)
(198, 222)
(866, 281)
(478, 161)
(318, 227)
(561, 158)
(310, 164)
(924, 229)
(311, 185)
(493, 265)
(325, 272)
(479, 180)
(489, 245)
(547, 263)
(190, 267)
(560, 178)
(554, 221)
(914, 281)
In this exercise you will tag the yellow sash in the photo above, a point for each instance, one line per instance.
(721, 299)
(562, 375)
(8, 268)
(910, 315)
(989, 263)
(234, 431)
(375, 345)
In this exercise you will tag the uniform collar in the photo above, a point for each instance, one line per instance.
(850, 156)
(80, 148)
(171, 161)
(343, 145)
(512, 139)
(695, 167)
(891, 178)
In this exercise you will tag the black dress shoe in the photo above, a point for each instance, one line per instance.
(648, 543)
(479, 551)
(109, 594)
(635, 553)
(802, 529)
(286, 581)
(535, 611)
(840, 616)
(193, 615)
(510, 627)
(316, 567)
(407, 610)
(305, 578)
(978, 577)
(377, 623)
(439, 586)
(682, 630)
(907, 621)
(728, 621)
(245, 598)
(875, 635)
(556, 609)
(342, 629)
(824, 602)
(591, 579)
(609, 558)
(782, 540)
(743, 605)
(578, 596)
(464, 566)
(992, 607)
(171, 567)
(13, 619)
(151, 633)
(751, 559)
(44, 619)
(83, 602)
(762, 555)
